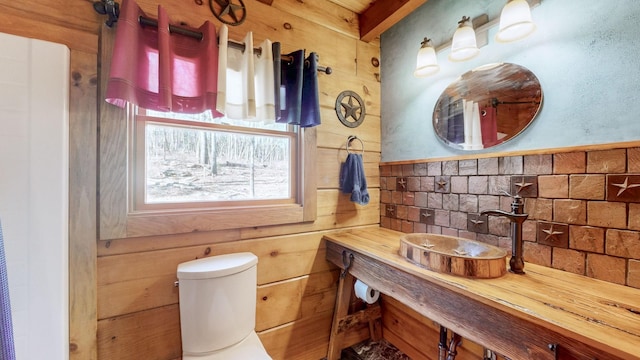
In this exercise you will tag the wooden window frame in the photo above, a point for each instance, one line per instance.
(117, 218)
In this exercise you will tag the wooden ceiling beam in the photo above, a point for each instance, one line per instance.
(383, 14)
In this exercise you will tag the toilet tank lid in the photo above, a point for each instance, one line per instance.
(216, 266)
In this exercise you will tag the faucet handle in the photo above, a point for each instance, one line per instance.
(516, 197)
(517, 205)
(506, 193)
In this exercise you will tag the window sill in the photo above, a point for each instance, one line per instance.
(164, 223)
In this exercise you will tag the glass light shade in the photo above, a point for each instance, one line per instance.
(515, 21)
(427, 62)
(463, 45)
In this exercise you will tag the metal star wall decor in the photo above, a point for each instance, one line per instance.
(625, 186)
(551, 234)
(349, 113)
(228, 12)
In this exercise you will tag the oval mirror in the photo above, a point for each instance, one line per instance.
(487, 106)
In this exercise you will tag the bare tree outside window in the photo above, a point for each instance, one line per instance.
(215, 160)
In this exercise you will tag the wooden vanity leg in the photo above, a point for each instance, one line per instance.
(343, 297)
(375, 325)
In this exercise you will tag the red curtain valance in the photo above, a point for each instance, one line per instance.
(157, 71)
(160, 72)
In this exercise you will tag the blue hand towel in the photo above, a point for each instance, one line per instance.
(7, 350)
(352, 179)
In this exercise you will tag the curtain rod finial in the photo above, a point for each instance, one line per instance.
(108, 7)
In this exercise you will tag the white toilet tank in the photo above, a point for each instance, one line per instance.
(217, 301)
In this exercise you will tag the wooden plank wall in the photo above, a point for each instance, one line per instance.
(138, 311)
(124, 287)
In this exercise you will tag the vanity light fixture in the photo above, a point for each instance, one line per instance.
(471, 34)
(464, 45)
(515, 21)
(427, 62)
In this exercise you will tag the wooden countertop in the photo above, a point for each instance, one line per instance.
(573, 308)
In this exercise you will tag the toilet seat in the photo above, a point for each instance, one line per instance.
(249, 348)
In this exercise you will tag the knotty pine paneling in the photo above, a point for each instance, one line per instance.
(280, 257)
(289, 300)
(119, 338)
(364, 84)
(329, 163)
(296, 284)
(39, 28)
(332, 134)
(51, 18)
(83, 144)
(331, 215)
(133, 283)
(113, 202)
(335, 17)
(150, 243)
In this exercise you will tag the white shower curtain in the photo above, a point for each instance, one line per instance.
(34, 192)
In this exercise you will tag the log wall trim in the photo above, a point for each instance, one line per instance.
(595, 147)
(83, 206)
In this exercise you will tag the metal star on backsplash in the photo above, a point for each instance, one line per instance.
(625, 186)
(551, 234)
(522, 185)
(402, 183)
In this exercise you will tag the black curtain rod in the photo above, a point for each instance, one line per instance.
(198, 35)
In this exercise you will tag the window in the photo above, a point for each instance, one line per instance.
(128, 209)
(185, 161)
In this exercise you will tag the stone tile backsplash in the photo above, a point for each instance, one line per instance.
(583, 206)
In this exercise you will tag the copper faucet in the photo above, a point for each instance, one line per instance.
(517, 217)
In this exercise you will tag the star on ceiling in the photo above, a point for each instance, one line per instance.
(625, 186)
(228, 8)
(551, 235)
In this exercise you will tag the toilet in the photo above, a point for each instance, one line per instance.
(218, 308)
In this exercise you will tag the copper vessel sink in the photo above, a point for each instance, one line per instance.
(454, 255)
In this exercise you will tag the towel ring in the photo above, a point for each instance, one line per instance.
(350, 140)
